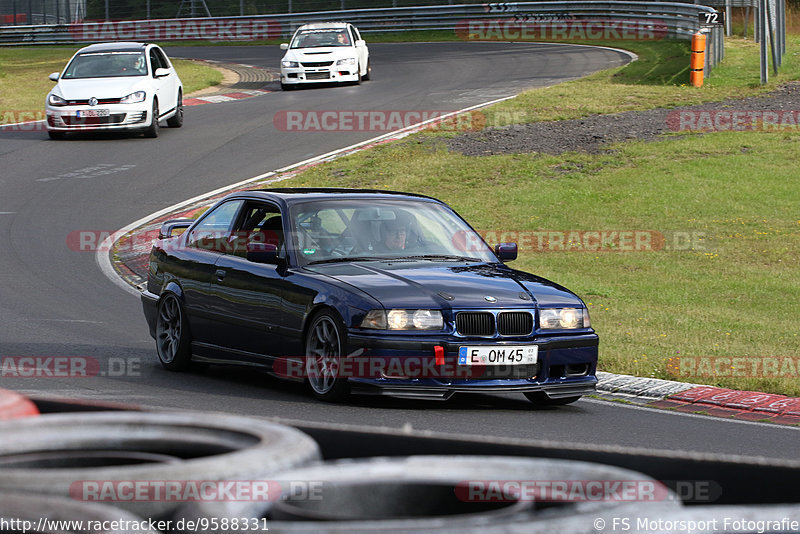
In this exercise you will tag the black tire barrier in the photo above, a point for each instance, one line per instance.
(133, 460)
(428, 494)
(14, 405)
(21, 512)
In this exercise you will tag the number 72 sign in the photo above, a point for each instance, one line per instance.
(712, 19)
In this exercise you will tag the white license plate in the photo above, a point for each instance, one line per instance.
(498, 355)
(92, 113)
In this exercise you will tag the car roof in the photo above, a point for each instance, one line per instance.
(323, 25)
(291, 195)
(114, 47)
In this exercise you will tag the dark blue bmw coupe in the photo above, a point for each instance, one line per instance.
(366, 292)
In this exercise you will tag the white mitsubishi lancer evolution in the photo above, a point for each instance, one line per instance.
(325, 52)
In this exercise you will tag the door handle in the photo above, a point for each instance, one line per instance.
(220, 275)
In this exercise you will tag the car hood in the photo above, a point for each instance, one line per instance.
(320, 54)
(417, 285)
(85, 88)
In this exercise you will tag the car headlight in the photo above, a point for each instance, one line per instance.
(564, 318)
(55, 100)
(346, 61)
(403, 320)
(290, 64)
(133, 98)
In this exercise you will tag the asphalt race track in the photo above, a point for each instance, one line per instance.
(54, 301)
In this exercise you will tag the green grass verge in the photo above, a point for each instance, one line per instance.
(659, 78)
(730, 293)
(196, 75)
(24, 83)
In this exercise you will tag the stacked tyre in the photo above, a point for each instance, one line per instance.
(133, 460)
(433, 494)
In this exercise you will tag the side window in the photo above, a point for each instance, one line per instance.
(155, 63)
(162, 58)
(354, 34)
(213, 232)
(260, 222)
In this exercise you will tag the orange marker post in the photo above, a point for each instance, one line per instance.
(698, 59)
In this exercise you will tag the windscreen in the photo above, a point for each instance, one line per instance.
(106, 65)
(321, 38)
(335, 230)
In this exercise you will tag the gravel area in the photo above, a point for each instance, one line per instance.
(592, 134)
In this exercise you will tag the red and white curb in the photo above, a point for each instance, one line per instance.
(705, 400)
(225, 97)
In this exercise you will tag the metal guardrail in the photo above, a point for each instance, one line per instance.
(673, 20)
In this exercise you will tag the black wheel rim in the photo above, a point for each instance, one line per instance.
(168, 330)
(323, 351)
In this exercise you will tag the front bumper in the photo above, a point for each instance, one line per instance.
(302, 75)
(566, 366)
(120, 117)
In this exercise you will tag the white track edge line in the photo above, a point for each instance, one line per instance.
(103, 254)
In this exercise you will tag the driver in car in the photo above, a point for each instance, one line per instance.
(394, 234)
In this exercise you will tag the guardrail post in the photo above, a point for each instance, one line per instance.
(762, 36)
(728, 22)
(697, 63)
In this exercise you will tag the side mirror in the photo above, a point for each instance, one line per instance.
(53, 76)
(160, 73)
(262, 253)
(506, 251)
(361, 42)
(284, 46)
(170, 226)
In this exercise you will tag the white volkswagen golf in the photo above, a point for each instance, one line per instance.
(115, 86)
(325, 52)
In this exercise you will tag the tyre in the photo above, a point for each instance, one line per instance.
(368, 75)
(359, 77)
(28, 507)
(541, 399)
(152, 130)
(69, 454)
(461, 494)
(13, 405)
(55, 135)
(325, 345)
(173, 339)
(176, 121)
